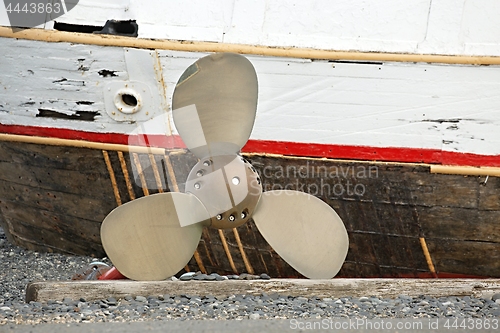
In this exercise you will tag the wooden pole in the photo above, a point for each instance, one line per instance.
(193, 46)
(80, 144)
(112, 178)
(466, 170)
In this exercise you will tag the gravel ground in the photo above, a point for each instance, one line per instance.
(19, 267)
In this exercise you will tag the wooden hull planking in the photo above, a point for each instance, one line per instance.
(402, 220)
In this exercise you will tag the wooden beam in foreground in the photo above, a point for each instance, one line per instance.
(95, 290)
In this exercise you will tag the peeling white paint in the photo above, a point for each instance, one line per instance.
(449, 107)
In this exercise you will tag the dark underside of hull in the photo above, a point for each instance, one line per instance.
(54, 198)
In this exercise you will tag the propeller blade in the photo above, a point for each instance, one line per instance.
(154, 237)
(214, 104)
(306, 232)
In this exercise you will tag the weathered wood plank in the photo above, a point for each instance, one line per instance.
(94, 290)
(461, 224)
(44, 230)
(83, 230)
(398, 204)
(94, 184)
(489, 193)
(442, 190)
(38, 239)
(458, 256)
(52, 157)
(66, 204)
(377, 183)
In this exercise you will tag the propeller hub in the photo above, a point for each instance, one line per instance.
(229, 188)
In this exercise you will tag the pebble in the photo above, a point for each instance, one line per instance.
(187, 276)
(254, 316)
(141, 299)
(111, 301)
(200, 277)
(25, 266)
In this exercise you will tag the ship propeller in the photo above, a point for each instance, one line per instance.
(214, 106)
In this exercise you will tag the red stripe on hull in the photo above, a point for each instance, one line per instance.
(384, 154)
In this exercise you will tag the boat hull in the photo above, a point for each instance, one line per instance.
(324, 117)
(402, 220)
